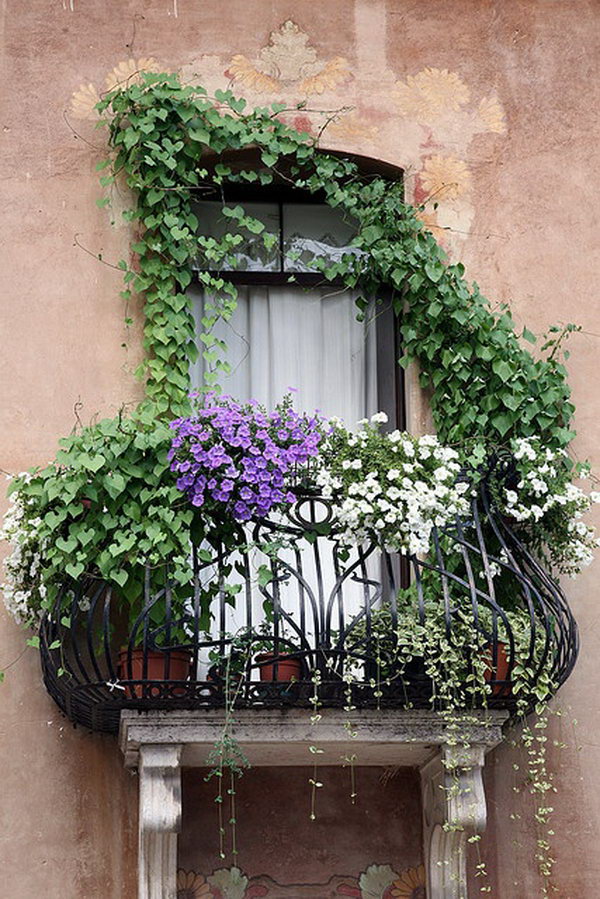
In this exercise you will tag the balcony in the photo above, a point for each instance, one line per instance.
(294, 644)
(292, 619)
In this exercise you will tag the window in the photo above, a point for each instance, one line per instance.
(301, 231)
(292, 329)
(295, 331)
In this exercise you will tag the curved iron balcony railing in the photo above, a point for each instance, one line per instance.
(321, 634)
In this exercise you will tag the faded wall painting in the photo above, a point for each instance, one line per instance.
(423, 121)
(367, 846)
(376, 882)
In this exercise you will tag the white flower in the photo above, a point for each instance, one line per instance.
(379, 418)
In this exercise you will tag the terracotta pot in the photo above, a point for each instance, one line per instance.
(501, 671)
(289, 668)
(179, 668)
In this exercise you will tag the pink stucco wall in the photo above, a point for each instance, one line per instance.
(490, 105)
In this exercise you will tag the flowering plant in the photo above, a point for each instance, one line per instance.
(237, 459)
(547, 508)
(390, 487)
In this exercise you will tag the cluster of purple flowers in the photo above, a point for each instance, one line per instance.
(239, 455)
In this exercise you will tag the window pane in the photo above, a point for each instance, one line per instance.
(251, 255)
(315, 229)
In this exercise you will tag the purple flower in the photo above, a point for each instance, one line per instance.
(240, 454)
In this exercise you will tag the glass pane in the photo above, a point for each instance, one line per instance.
(315, 229)
(249, 256)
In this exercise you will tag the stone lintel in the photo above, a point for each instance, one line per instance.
(283, 736)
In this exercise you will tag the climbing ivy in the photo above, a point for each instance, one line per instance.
(108, 506)
(112, 480)
(484, 383)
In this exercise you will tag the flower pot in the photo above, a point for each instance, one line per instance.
(179, 663)
(499, 672)
(289, 667)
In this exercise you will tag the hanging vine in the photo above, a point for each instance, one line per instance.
(484, 382)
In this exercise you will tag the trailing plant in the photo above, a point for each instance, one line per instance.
(453, 651)
(105, 507)
(167, 136)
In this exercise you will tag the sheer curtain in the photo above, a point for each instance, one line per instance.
(308, 341)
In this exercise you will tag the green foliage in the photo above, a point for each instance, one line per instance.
(106, 506)
(108, 502)
(484, 383)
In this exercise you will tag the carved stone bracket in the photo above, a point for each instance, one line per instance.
(159, 768)
(454, 808)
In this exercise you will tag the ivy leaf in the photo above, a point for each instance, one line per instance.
(501, 368)
(66, 545)
(93, 463)
(434, 271)
(75, 569)
(265, 576)
(120, 576)
(202, 135)
(502, 423)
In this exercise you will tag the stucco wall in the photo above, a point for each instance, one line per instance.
(491, 108)
(283, 854)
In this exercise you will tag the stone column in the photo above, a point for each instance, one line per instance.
(159, 820)
(454, 809)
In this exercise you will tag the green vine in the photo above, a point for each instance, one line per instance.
(484, 383)
(486, 387)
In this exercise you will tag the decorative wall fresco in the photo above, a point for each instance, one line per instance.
(126, 72)
(376, 882)
(289, 61)
(442, 106)
(425, 122)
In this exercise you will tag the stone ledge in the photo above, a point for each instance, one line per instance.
(283, 736)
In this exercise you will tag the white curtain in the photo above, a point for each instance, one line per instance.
(306, 340)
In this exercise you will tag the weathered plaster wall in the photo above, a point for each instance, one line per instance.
(373, 843)
(491, 107)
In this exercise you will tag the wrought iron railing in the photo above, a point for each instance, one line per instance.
(293, 618)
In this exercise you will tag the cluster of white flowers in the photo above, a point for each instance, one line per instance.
(391, 487)
(22, 567)
(543, 489)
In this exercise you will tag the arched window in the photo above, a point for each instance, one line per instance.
(293, 329)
